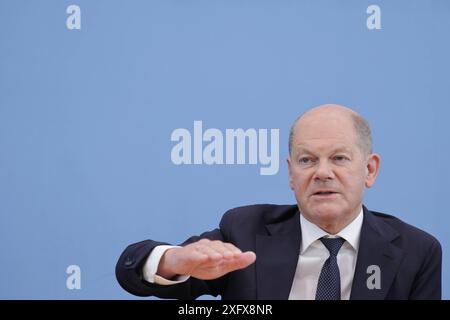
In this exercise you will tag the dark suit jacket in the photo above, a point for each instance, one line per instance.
(409, 259)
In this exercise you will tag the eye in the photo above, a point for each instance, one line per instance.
(305, 160)
(340, 158)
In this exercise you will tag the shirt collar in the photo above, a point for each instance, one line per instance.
(311, 232)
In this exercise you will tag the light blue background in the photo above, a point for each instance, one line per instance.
(86, 117)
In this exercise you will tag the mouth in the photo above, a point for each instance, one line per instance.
(324, 193)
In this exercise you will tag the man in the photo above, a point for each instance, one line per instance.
(328, 246)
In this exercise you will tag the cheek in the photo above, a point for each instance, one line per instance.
(300, 182)
(353, 183)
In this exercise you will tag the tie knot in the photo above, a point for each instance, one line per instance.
(333, 245)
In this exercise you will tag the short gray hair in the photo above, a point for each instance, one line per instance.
(362, 130)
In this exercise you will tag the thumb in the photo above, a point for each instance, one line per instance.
(246, 259)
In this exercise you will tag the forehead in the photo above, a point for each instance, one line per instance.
(325, 132)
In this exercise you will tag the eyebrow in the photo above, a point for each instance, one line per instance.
(337, 150)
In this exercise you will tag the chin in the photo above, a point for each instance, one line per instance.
(327, 216)
(326, 212)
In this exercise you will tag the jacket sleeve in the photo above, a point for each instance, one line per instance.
(427, 285)
(130, 264)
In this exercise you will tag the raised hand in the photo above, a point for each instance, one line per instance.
(204, 259)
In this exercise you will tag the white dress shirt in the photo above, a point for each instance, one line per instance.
(312, 256)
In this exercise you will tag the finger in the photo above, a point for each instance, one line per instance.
(240, 261)
(246, 259)
(223, 248)
(212, 253)
(236, 251)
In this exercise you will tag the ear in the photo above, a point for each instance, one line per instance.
(291, 179)
(373, 166)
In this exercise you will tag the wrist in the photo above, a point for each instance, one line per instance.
(163, 268)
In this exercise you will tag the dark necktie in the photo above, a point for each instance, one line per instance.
(329, 285)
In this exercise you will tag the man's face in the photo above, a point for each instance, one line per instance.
(327, 169)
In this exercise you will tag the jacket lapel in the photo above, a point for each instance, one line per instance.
(277, 256)
(375, 249)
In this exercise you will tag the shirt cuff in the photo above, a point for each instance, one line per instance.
(151, 266)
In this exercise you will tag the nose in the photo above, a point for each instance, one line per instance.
(323, 171)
